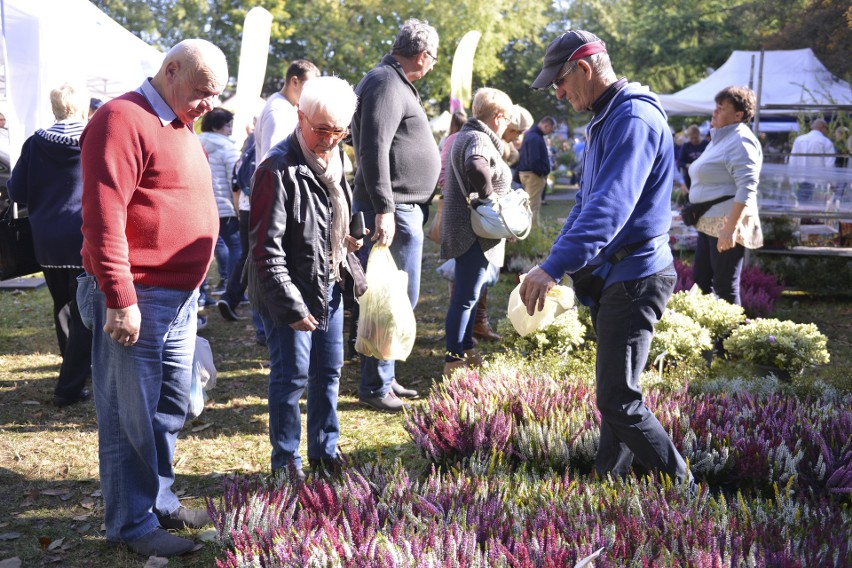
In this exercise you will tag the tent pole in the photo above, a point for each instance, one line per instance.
(759, 93)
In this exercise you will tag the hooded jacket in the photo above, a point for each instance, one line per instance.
(222, 155)
(625, 192)
(48, 180)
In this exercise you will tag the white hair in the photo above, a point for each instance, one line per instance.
(332, 95)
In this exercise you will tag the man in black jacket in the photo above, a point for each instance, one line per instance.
(534, 165)
(398, 167)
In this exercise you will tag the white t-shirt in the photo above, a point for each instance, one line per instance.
(276, 121)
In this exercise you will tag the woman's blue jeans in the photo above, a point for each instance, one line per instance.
(300, 360)
(228, 248)
(470, 274)
(141, 399)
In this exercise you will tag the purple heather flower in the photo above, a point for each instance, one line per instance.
(772, 339)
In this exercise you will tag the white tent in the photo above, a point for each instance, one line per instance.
(793, 77)
(48, 42)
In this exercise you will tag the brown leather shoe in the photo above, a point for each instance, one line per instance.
(472, 358)
(481, 327)
(451, 366)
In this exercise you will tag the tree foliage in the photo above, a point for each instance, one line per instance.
(666, 44)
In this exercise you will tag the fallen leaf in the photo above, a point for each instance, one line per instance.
(53, 491)
(208, 535)
(96, 493)
(44, 541)
(156, 562)
(11, 563)
(201, 427)
(85, 528)
(82, 517)
(66, 496)
(10, 535)
(87, 503)
(31, 403)
(56, 543)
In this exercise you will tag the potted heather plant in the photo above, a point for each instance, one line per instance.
(678, 339)
(563, 335)
(717, 316)
(783, 348)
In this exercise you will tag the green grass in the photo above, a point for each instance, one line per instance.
(48, 457)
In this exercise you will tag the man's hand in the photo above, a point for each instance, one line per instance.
(537, 283)
(123, 324)
(385, 229)
(307, 324)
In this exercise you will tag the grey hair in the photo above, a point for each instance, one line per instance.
(414, 37)
(599, 62)
(332, 95)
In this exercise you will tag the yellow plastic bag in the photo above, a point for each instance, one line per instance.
(559, 299)
(386, 324)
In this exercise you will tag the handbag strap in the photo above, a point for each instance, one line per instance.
(715, 201)
(521, 236)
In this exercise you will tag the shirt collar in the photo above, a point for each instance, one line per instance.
(163, 111)
(607, 95)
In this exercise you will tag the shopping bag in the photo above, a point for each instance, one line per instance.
(559, 299)
(386, 324)
(203, 377)
(433, 230)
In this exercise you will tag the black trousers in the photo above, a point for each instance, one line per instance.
(74, 338)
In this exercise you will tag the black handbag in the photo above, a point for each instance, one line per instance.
(692, 212)
(17, 257)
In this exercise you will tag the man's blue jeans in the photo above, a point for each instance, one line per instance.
(228, 247)
(300, 359)
(624, 322)
(471, 272)
(141, 399)
(407, 250)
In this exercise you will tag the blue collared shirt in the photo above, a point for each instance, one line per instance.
(160, 106)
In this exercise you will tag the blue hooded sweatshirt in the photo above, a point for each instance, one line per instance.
(625, 192)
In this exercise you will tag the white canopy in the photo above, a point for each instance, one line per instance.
(793, 77)
(49, 42)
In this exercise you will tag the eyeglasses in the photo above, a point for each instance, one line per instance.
(556, 83)
(326, 132)
(434, 59)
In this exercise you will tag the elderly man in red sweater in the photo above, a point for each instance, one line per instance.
(149, 228)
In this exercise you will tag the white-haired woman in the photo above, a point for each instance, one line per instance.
(48, 180)
(298, 243)
(476, 167)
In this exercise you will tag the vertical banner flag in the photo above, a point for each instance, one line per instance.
(462, 73)
(253, 55)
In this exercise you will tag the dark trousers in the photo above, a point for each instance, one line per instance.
(624, 321)
(74, 338)
(718, 272)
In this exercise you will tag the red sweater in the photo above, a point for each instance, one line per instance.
(149, 215)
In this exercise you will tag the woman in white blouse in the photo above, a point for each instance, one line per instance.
(730, 166)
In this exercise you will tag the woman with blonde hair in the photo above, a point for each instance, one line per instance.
(48, 179)
(476, 167)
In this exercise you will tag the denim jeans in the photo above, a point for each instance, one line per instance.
(141, 399)
(624, 321)
(407, 250)
(236, 287)
(716, 271)
(471, 272)
(228, 249)
(300, 359)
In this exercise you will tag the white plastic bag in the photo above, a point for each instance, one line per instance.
(559, 299)
(386, 324)
(203, 377)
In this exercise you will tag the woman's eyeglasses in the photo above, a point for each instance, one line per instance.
(325, 131)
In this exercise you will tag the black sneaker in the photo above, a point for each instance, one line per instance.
(226, 310)
(63, 401)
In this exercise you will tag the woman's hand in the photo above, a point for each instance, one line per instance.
(307, 324)
(353, 244)
(726, 240)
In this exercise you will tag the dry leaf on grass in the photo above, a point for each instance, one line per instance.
(11, 563)
(56, 543)
(10, 535)
(201, 427)
(156, 562)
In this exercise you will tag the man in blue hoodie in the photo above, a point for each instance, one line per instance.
(619, 227)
